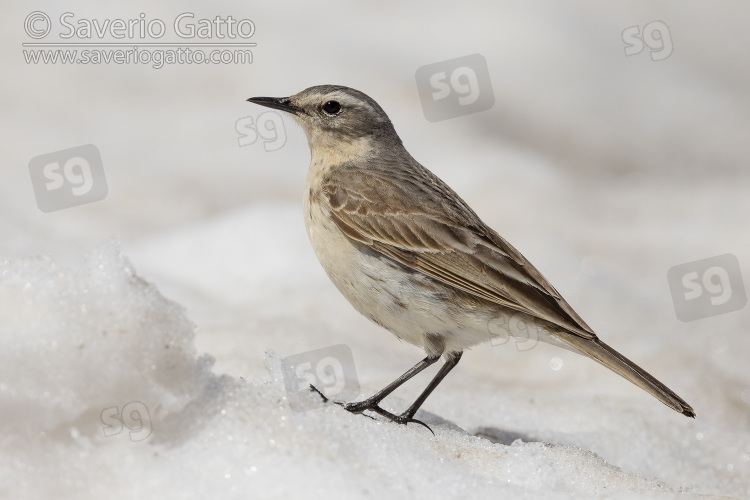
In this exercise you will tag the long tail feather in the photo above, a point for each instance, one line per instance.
(604, 354)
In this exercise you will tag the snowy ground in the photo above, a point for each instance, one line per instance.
(172, 302)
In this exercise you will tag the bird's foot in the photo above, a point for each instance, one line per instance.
(372, 405)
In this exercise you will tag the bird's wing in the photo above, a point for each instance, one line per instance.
(414, 218)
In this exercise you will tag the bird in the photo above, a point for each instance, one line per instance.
(411, 255)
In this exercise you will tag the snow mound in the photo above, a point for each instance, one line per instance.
(103, 395)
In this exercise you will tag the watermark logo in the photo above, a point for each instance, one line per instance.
(655, 36)
(37, 25)
(268, 126)
(70, 39)
(707, 287)
(68, 178)
(134, 417)
(331, 370)
(456, 87)
(522, 329)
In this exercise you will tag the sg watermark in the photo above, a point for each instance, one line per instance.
(68, 178)
(707, 287)
(69, 39)
(331, 370)
(522, 329)
(267, 126)
(655, 35)
(134, 416)
(455, 87)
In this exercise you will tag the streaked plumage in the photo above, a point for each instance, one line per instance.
(412, 256)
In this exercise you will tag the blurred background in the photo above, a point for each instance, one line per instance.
(614, 148)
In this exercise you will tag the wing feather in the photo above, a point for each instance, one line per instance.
(437, 234)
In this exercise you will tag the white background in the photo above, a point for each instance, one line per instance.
(604, 170)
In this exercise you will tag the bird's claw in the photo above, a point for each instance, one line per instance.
(322, 396)
(362, 406)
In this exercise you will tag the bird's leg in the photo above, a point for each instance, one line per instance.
(373, 401)
(450, 363)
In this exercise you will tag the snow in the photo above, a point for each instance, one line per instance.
(145, 337)
(106, 338)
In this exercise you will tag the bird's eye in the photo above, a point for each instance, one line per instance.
(332, 107)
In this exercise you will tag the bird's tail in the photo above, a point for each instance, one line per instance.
(602, 353)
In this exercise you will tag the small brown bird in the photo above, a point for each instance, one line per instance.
(409, 254)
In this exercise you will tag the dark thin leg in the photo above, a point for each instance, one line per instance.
(372, 403)
(375, 399)
(444, 370)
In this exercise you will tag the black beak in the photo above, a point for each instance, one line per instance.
(281, 103)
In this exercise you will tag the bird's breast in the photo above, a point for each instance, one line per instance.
(405, 302)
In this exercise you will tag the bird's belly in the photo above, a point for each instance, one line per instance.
(411, 305)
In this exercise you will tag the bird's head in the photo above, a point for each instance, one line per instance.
(337, 120)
